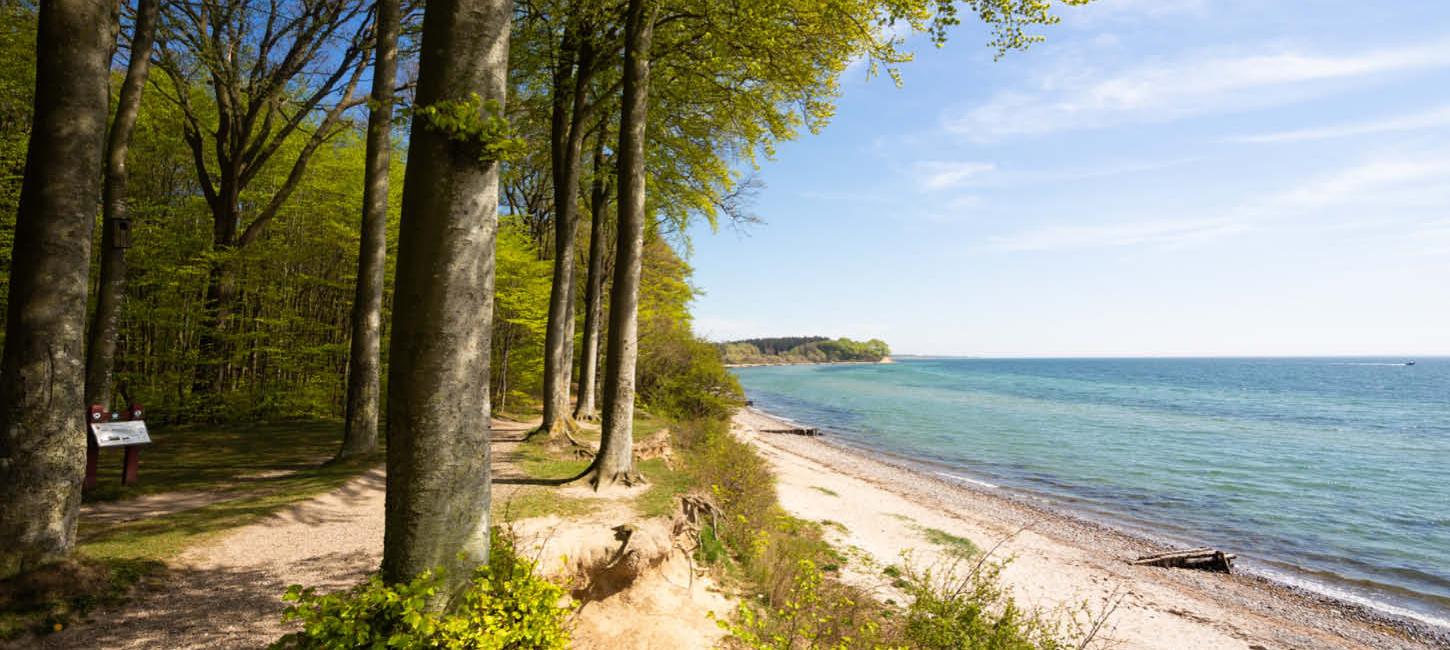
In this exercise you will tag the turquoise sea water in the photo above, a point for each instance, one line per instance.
(1332, 474)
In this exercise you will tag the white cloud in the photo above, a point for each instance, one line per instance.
(1161, 232)
(1188, 86)
(1377, 182)
(1356, 193)
(942, 174)
(1438, 117)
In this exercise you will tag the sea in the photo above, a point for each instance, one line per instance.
(1329, 474)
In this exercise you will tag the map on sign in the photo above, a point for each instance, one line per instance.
(120, 434)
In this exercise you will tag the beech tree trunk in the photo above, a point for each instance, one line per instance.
(566, 135)
(360, 430)
(111, 289)
(42, 375)
(615, 461)
(593, 299)
(438, 399)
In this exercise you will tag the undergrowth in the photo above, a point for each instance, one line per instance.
(796, 600)
(508, 606)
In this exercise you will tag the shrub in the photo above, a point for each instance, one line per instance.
(817, 613)
(683, 377)
(507, 607)
(962, 605)
(798, 604)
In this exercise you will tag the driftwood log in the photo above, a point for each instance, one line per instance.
(797, 431)
(1205, 559)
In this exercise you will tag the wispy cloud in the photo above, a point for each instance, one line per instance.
(1189, 86)
(1354, 191)
(942, 174)
(1430, 119)
(1160, 232)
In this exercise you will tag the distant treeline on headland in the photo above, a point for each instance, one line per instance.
(803, 349)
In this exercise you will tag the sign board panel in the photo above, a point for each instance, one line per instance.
(120, 434)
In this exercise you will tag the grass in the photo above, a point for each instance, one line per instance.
(838, 526)
(267, 466)
(260, 468)
(664, 485)
(220, 457)
(50, 598)
(530, 501)
(953, 542)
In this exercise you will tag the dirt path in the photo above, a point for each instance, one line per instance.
(228, 593)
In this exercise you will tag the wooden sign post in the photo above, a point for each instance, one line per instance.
(127, 431)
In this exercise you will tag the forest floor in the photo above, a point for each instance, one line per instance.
(230, 553)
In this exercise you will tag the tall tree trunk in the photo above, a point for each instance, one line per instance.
(593, 300)
(566, 135)
(360, 433)
(438, 406)
(101, 351)
(211, 368)
(615, 461)
(42, 376)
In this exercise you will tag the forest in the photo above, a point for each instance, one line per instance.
(803, 349)
(393, 223)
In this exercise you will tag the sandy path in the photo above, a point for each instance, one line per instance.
(1058, 562)
(228, 593)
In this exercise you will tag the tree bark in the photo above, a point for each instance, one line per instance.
(615, 461)
(42, 376)
(111, 289)
(566, 135)
(593, 299)
(437, 512)
(360, 431)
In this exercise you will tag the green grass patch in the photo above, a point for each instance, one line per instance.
(954, 542)
(265, 466)
(51, 598)
(537, 461)
(664, 485)
(220, 457)
(836, 525)
(530, 501)
(161, 537)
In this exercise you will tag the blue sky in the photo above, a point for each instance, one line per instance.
(1169, 177)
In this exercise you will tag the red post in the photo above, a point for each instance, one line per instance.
(132, 467)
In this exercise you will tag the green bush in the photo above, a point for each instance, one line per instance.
(683, 377)
(798, 604)
(507, 607)
(962, 605)
(817, 613)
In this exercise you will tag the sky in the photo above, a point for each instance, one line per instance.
(1160, 177)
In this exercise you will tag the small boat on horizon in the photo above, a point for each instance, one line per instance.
(1409, 363)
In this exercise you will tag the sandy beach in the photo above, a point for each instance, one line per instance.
(883, 509)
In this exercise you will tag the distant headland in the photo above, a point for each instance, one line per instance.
(803, 349)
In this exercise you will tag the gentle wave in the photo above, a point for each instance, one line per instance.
(968, 480)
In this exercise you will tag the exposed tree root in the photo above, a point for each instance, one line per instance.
(555, 433)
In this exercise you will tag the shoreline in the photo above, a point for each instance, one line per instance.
(883, 361)
(1061, 558)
